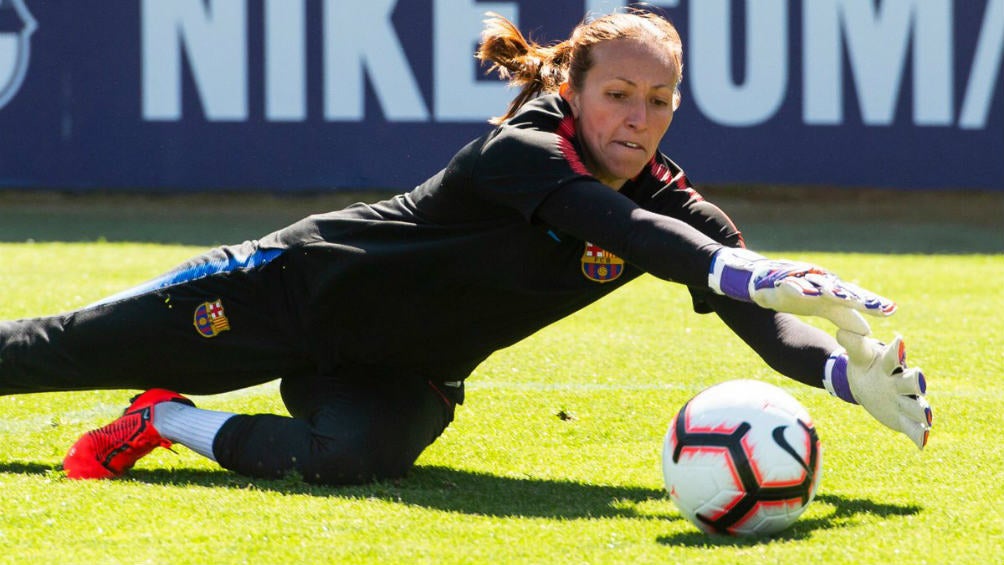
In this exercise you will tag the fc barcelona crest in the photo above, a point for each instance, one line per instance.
(600, 265)
(210, 320)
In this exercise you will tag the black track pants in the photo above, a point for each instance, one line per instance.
(218, 325)
(345, 430)
(216, 329)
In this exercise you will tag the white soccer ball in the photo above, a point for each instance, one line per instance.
(742, 457)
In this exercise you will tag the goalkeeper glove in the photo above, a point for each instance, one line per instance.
(875, 375)
(795, 288)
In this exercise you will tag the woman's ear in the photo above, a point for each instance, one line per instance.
(570, 96)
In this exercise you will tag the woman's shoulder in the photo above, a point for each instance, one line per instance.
(546, 111)
(543, 129)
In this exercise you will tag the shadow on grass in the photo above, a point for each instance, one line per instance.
(844, 511)
(437, 488)
(452, 490)
(468, 492)
(21, 468)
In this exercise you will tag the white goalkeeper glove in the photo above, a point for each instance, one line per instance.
(875, 375)
(796, 288)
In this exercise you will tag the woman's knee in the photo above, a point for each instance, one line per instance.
(359, 459)
(362, 431)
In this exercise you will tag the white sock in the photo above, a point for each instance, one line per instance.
(192, 427)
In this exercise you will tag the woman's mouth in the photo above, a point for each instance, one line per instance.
(631, 145)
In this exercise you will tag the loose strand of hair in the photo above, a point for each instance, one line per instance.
(525, 64)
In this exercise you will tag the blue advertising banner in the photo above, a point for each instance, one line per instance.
(297, 95)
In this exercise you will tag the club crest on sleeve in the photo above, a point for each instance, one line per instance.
(210, 319)
(599, 265)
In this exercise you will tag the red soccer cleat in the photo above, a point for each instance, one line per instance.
(110, 451)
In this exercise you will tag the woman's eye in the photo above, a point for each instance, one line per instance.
(617, 95)
(660, 102)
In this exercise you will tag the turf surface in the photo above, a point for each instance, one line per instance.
(555, 456)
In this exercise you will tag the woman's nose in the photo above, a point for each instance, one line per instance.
(637, 115)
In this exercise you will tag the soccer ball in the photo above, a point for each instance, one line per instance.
(742, 457)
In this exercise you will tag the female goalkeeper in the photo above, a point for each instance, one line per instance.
(373, 316)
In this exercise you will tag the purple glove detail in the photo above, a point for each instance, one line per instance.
(736, 283)
(732, 271)
(836, 378)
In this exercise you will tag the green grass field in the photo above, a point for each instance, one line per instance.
(510, 481)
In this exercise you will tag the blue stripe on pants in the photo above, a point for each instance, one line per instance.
(236, 258)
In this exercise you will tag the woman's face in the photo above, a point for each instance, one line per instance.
(624, 107)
